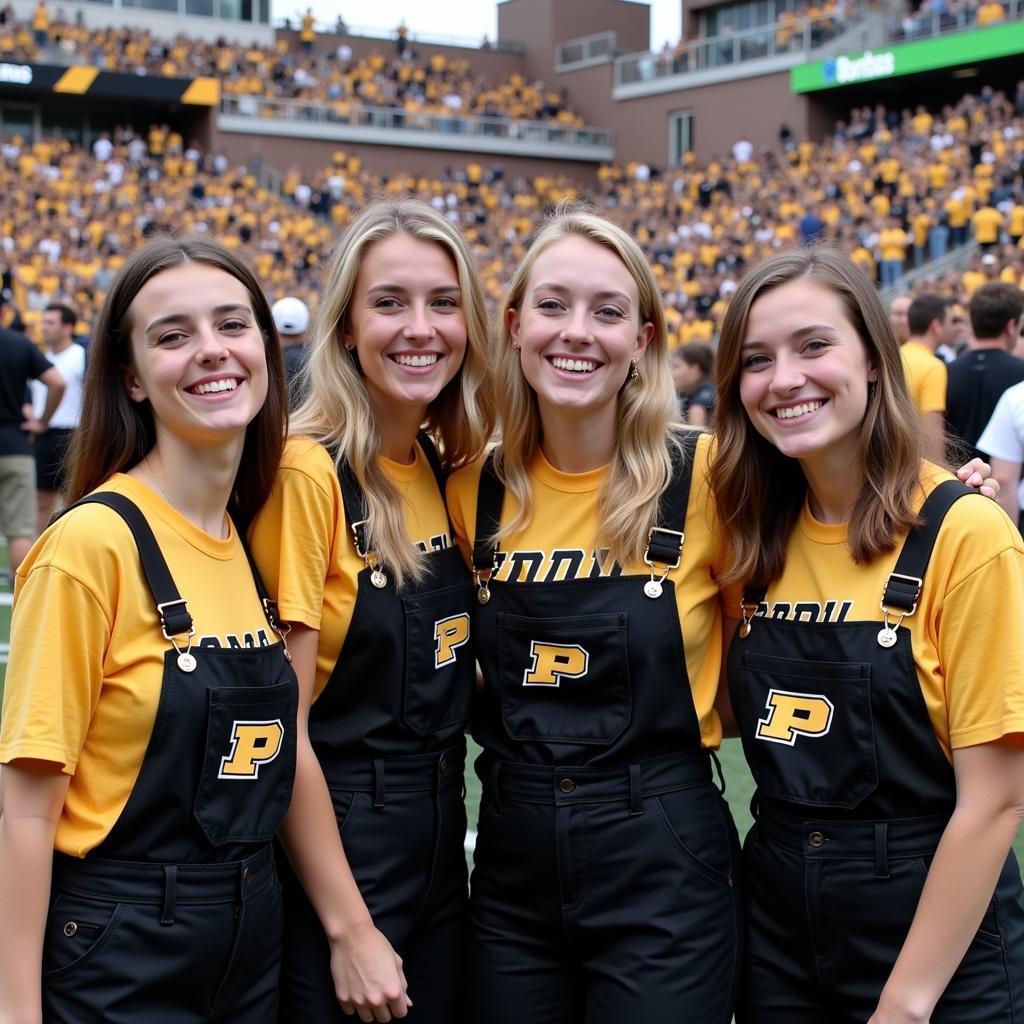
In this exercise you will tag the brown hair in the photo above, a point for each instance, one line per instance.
(758, 490)
(993, 306)
(116, 432)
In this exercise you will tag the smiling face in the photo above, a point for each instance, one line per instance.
(579, 326)
(804, 372)
(406, 322)
(198, 356)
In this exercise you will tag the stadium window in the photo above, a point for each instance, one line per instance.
(264, 12)
(680, 135)
(235, 10)
(204, 8)
(18, 121)
(152, 5)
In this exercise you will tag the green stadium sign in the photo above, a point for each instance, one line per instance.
(1002, 40)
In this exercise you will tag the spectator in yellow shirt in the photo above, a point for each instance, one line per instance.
(930, 318)
(990, 13)
(987, 223)
(892, 245)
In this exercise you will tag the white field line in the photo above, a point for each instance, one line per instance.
(6, 599)
(470, 842)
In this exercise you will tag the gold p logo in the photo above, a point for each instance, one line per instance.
(252, 744)
(554, 662)
(794, 714)
(449, 635)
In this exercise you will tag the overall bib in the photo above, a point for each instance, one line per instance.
(604, 886)
(388, 730)
(853, 794)
(176, 916)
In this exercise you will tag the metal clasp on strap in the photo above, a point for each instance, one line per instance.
(483, 583)
(653, 587)
(901, 601)
(747, 613)
(186, 662)
(370, 558)
(282, 629)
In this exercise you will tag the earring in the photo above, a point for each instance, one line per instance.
(872, 387)
(634, 373)
(517, 348)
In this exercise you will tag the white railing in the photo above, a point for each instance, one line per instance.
(730, 48)
(924, 24)
(595, 49)
(424, 38)
(456, 126)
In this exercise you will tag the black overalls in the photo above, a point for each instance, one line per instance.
(176, 916)
(605, 884)
(854, 792)
(388, 730)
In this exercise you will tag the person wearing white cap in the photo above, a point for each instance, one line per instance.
(292, 318)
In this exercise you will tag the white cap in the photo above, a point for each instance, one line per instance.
(291, 315)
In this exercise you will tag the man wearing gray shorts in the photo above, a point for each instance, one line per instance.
(20, 362)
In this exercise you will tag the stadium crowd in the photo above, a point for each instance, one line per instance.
(397, 80)
(895, 188)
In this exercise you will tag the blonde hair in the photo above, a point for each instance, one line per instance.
(758, 490)
(337, 411)
(641, 467)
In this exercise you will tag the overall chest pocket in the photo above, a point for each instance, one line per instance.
(440, 669)
(564, 679)
(807, 728)
(248, 762)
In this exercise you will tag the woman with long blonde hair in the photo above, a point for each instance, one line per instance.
(605, 881)
(877, 677)
(356, 546)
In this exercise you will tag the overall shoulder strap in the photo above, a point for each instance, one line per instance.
(354, 503)
(903, 587)
(490, 495)
(434, 459)
(170, 605)
(666, 541)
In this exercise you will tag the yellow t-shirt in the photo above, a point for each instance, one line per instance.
(565, 518)
(969, 617)
(87, 653)
(305, 550)
(986, 223)
(926, 376)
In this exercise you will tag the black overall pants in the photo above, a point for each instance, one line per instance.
(176, 916)
(605, 884)
(388, 730)
(853, 794)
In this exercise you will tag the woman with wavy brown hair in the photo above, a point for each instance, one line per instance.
(148, 737)
(876, 595)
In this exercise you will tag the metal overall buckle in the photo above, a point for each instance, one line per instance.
(653, 587)
(370, 559)
(186, 659)
(887, 634)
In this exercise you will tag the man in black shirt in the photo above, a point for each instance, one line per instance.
(20, 362)
(979, 377)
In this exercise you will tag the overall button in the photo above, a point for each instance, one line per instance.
(70, 928)
(816, 839)
(246, 876)
(567, 785)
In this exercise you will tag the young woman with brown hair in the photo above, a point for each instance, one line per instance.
(877, 676)
(148, 737)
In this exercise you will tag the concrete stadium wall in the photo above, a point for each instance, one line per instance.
(312, 154)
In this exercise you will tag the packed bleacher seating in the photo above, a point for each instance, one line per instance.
(897, 189)
(387, 79)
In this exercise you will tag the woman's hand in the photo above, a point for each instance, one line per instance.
(368, 977)
(978, 473)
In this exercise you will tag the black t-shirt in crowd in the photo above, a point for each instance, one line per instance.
(977, 380)
(20, 362)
